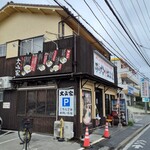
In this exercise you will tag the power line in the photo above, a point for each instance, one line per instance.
(129, 32)
(146, 9)
(101, 24)
(143, 16)
(96, 32)
(126, 13)
(104, 14)
(93, 30)
(125, 30)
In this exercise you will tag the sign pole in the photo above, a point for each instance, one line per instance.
(145, 107)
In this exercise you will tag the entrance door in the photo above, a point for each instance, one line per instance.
(99, 102)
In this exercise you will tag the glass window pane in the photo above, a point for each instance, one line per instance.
(51, 103)
(33, 45)
(37, 44)
(21, 102)
(25, 47)
(3, 50)
(31, 97)
(41, 101)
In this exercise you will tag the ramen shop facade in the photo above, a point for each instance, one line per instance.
(68, 77)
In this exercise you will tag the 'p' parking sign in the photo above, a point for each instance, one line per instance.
(66, 102)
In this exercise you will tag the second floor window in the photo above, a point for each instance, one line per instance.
(2, 50)
(33, 45)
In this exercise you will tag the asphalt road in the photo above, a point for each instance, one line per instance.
(10, 140)
(119, 137)
(141, 141)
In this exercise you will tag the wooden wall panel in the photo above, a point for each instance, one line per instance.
(84, 56)
(9, 115)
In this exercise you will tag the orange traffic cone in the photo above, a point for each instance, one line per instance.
(86, 139)
(106, 132)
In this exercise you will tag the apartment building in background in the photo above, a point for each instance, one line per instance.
(127, 79)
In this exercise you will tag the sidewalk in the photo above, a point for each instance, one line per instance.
(119, 137)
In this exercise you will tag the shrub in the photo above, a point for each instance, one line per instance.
(130, 123)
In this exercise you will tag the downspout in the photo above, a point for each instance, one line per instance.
(61, 35)
(75, 54)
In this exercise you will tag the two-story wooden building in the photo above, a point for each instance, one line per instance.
(52, 67)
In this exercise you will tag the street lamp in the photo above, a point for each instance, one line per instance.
(118, 107)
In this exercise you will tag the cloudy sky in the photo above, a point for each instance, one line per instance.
(129, 39)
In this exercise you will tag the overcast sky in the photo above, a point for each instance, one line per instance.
(134, 16)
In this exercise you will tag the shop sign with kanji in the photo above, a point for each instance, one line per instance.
(66, 102)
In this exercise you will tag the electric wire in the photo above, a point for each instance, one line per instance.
(95, 32)
(130, 22)
(107, 3)
(104, 45)
(140, 24)
(146, 9)
(86, 23)
(103, 26)
(129, 33)
(143, 16)
(98, 34)
(121, 19)
(104, 14)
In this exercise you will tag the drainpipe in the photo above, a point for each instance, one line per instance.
(75, 54)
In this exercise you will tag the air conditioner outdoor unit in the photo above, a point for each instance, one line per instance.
(5, 82)
(68, 130)
(57, 129)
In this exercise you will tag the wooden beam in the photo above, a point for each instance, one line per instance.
(41, 11)
(28, 10)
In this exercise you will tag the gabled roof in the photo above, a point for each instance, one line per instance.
(11, 8)
(65, 14)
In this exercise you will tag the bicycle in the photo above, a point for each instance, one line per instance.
(25, 133)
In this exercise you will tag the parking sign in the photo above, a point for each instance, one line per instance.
(66, 102)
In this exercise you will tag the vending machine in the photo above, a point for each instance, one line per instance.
(119, 111)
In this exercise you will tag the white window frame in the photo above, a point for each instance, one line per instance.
(2, 50)
(32, 45)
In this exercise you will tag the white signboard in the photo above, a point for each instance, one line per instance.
(6, 105)
(144, 87)
(66, 102)
(103, 69)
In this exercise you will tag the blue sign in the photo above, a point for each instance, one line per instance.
(145, 99)
(130, 90)
(66, 101)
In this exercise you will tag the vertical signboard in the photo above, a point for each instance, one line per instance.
(66, 102)
(144, 87)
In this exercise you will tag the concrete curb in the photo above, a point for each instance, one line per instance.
(124, 142)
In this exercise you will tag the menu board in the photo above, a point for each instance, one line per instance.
(54, 61)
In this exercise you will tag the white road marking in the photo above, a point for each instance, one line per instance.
(8, 141)
(93, 143)
(132, 141)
